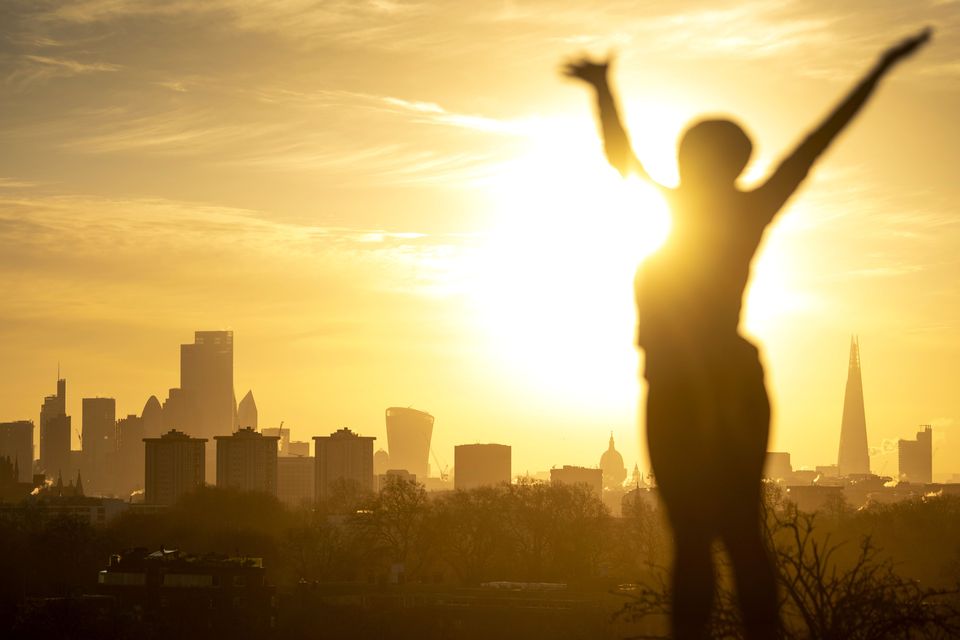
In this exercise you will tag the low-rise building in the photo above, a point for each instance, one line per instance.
(181, 593)
(570, 475)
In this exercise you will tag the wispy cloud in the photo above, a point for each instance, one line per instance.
(13, 183)
(35, 68)
(185, 131)
(68, 234)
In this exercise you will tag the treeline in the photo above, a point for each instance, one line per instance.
(528, 532)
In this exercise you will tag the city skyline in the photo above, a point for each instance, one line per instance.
(853, 403)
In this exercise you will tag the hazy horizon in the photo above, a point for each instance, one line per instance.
(392, 203)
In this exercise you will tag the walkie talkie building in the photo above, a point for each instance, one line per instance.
(408, 439)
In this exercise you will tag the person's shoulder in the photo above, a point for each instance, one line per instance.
(756, 206)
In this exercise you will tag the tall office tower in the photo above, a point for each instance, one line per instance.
(295, 483)
(479, 465)
(854, 457)
(180, 412)
(152, 417)
(55, 432)
(247, 460)
(247, 412)
(342, 457)
(128, 475)
(173, 465)
(98, 441)
(916, 457)
(611, 463)
(408, 439)
(283, 434)
(592, 478)
(206, 376)
(16, 443)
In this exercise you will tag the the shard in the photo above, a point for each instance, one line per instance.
(854, 457)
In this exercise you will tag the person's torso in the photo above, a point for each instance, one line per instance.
(690, 292)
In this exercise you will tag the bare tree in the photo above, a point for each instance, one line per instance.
(822, 595)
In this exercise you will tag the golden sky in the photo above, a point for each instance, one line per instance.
(402, 203)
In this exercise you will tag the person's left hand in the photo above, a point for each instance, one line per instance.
(594, 73)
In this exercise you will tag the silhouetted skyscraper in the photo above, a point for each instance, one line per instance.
(128, 474)
(343, 456)
(247, 460)
(55, 433)
(916, 457)
(381, 462)
(479, 465)
(98, 440)
(408, 439)
(180, 411)
(611, 464)
(16, 443)
(152, 417)
(174, 465)
(854, 456)
(247, 412)
(206, 377)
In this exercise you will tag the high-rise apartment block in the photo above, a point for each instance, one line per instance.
(174, 465)
(342, 457)
(247, 460)
(295, 480)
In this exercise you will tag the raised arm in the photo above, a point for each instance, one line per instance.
(616, 144)
(792, 170)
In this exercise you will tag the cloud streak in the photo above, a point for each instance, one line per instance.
(35, 69)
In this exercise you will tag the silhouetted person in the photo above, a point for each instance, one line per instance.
(708, 414)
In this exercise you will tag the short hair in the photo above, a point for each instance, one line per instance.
(716, 149)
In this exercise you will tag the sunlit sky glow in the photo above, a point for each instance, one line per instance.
(402, 203)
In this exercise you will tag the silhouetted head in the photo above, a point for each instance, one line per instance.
(713, 152)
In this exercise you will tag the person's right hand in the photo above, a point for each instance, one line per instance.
(906, 48)
(594, 73)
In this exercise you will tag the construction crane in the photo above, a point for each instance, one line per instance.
(442, 467)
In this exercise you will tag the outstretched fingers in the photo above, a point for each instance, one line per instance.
(583, 68)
